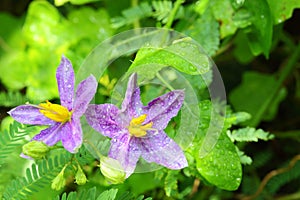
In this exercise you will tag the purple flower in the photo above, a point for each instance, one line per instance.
(137, 130)
(63, 120)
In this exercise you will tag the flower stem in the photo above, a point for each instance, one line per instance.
(164, 81)
(173, 13)
(94, 148)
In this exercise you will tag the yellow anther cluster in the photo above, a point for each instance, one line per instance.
(136, 128)
(55, 112)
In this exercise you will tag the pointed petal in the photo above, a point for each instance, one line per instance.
(103, 119)
(161, 149)
(71, 135)
(132, 103)
(28, 114)
(85, 93)
(161, 110)
(50, 136)
(65, 82)
(125, 150)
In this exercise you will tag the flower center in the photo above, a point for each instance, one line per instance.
(55, 112)
(136, 128)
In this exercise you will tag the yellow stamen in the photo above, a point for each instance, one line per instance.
(55, 112)
(136, 128)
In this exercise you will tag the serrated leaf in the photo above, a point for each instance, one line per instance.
(245, 160)
(227, 27)
(205, 30)
(184, 55)
(249, 134)
(282, 10)
(221, 166)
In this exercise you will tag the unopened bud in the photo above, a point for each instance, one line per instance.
(59, 181)
(80, 177)
(112, 170)
(35, 149)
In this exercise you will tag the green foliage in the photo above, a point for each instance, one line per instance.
(234, 32)
(91, 194)
(11, 99)
(282, 10)
(37, 176)
(184, 55)
(249, 134)
(10, 139)
(215, 169)
(255, 95)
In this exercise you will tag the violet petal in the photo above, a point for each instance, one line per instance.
(132, 103)
(161, 110)
(103, 119)
(71, 135)
(125, 150)
(65, 82)
(28, 114)
(85, 93)
(161, 149)
(51, 135)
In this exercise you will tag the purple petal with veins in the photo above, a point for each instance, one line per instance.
(51, 135)
(103, 119)
(65, 82)
(29, 114)
(162, 109)
(84, 94)
(71, 135)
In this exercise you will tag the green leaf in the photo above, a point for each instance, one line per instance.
(221, 166)
(255, 95)
(75, 2)
(282, 10)
(132, 14)
(260, 36)
(183, 54)
(44, 26)
(245, 160)
(205, 30)
(249, 134)
(227, 27)
(108, 194)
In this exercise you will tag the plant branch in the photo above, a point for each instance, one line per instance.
(173, 13)
(270, 175)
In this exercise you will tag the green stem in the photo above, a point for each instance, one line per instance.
(164, 81)
(94, 148)
(173, 13)
(283, 74)
(136, 23)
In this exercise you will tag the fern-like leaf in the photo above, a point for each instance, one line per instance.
(249, 134)
(37, 176)
(10, 139)
(90, 194)
(132, 14)
(11, 99)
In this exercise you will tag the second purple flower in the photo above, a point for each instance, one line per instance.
(137, 130)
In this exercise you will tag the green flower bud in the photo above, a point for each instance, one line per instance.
(112, 170)
(35, 149)
(59, 181)
(80, 177)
